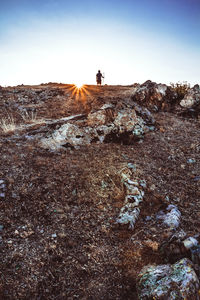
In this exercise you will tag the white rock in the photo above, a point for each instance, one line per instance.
(172, 218)
(190, 242)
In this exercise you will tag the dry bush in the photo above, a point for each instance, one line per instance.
(181, 88)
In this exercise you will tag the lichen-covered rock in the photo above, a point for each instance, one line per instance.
(126, 120)
(101, 117)
(97, 118)
(190, 242)
(177, 281)
(171, 218)
(105, 125)
(130, 211)
(154, 96)
(192, 98)
(67, 133)
(2, 188)
(144, 113)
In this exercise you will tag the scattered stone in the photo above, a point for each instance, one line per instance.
(177, 281)
(2, 188)
(195, 255)
(152, 187)
(190, 243)
(143, 183)
(54, 235)
(74, 192)
(191, 161)
(1, 227)
(171, 218)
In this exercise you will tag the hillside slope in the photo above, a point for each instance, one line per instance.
(59, 236)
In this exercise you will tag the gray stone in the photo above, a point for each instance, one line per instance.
(178, 281)
(154, 96)
(100, 126)
(171, 218)
(130, 211)
(190, 243)
(192, 98)
(191, 161)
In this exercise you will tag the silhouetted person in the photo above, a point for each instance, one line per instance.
(98, 77)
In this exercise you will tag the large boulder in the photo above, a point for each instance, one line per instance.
(108, 124)
(192, 98)
(177, 281)
(154, 96)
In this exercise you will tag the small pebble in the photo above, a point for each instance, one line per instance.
(191, 161)
(74, 192)
(54, 235)
(132, 166)
(167, 198)
(143, 183)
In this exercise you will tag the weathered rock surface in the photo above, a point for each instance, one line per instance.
(171, 218)
(154, 96)
(177, 281)
(2, 188)
(105, 125)
(190, 105)
(130, 211)
(192, 98)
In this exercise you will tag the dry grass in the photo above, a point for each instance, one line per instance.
(29, 117)
(8, 124)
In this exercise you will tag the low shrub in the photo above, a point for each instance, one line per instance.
(181, 88)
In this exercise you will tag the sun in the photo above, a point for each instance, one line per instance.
(79, 85)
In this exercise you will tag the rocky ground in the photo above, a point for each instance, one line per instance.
(60, 234)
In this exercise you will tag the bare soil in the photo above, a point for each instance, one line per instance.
(59, 238)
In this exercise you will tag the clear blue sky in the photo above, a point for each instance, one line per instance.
(68, 41)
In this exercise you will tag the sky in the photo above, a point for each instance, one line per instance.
(129, 41)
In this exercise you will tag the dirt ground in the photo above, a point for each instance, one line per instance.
(59, 238)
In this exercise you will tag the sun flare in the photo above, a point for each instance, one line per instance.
(79, 85)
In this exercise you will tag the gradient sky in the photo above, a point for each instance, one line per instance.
(129, 40)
